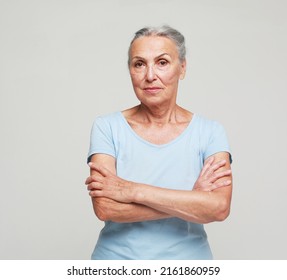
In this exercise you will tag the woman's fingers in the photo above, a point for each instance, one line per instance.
(94, 186)
(93, 178)
(206, 166)
(216, 166)
(96, 193)
(212, 177)
(102, 170)
(219, 175)
(222, 184)
(210, 166)
(102, 173)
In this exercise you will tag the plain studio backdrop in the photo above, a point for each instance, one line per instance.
(64, 62)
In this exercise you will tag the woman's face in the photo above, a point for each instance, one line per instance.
(155, 70)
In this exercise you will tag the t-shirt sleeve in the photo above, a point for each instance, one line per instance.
(216, 141)
(101, 138)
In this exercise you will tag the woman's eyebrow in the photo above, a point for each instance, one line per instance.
(163, 54)
(142, 58)
(137, 57)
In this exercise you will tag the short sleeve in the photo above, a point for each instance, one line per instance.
(101, 138)
(216, 140)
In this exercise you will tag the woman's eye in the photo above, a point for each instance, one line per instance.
(138, 64)
(162, 62)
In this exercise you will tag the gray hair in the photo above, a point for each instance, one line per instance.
(163, 31)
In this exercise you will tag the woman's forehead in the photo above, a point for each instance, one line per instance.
(155, 45)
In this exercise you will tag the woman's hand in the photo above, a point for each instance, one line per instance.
(210, 178)
(106, 184)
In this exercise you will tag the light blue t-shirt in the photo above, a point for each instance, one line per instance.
(175, 165)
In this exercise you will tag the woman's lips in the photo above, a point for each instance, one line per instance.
(152, 90)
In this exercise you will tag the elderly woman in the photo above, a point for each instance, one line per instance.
(158, 171)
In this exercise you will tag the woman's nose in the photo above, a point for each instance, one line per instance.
(150, 73)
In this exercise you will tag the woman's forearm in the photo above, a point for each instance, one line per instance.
(107, 209)
(194, 206)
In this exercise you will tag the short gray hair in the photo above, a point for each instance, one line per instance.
(162, 31)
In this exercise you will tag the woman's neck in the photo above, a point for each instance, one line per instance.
(157, 115)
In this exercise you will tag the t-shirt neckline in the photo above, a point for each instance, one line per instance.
(180, 136)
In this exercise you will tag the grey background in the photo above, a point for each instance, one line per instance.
(63, 62)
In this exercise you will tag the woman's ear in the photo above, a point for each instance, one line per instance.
(183, 69)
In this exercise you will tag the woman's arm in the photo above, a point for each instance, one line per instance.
(208, 201)
(108, 209)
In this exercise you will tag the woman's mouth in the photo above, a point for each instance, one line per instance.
(152, 90)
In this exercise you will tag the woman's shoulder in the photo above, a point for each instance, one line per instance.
(108, 121)
(117, 115)
(206, 125)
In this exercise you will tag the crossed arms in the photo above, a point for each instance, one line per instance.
(119, 200)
